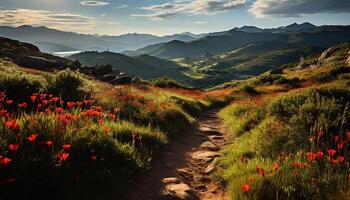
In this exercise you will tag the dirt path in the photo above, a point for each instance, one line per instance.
(183, 171)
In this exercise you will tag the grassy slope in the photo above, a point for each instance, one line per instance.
(273, 128)
(122, 136)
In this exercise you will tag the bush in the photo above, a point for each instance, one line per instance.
(249, 89)
(332, 74)
(68, 85)
(166, 82)
(18, 87)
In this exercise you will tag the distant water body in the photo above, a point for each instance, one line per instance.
(65, 53)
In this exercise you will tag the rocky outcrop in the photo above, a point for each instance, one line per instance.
(28, 55)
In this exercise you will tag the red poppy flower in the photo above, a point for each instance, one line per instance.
(22, 105)
(261, 171)
(340, 146)
(66, 146)
(58, 110)
(336, 138)
(296, 174)
(32, 137)
(71, 104)
(9, 102)
(5, 161)
(320, 133)
(245, 188)
(311, 156)
(12, 125)
(49, 143)
(304, 165)
(340, 159)
(13, 147)
(63, 156)
(93, 158)
(331, 152)
(275, 167)
(319, 154)
(33, 98)
(348, 134)
(55, 99)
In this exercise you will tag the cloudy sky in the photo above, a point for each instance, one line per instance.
(114, 17)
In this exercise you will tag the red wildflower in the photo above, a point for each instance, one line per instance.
(331, 152)
(63, 156)
(320, 134)
(66, 146)
(275, 167)
(319, 154)
(336, 138)
(58, 110)
(13, 147)
(245, 188)
(340, 159)
(12, 125)
(340, 145)
(49, 143)
(93, 158)
(261, 171)
(71, 104)
(5, 161)
(32, 137)
(304, 165)
(101, 121)
(9, 102)
(297, 164)
(311, 156)
(296, 174)
(22, 105)
(33, 98)
(348, 134)
(55, 99)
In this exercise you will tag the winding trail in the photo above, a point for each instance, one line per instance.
(183, 170)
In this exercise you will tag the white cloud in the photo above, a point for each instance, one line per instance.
(197, 7)
(63, 21)
(121, 6)
(296, 8)
(94, 3)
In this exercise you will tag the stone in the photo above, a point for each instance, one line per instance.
(107, 77)
(171, 180)
(184, 174)
(123, 79)
(211, 132)
(178, 191)
(205, 156)
(215, 137)
(209, 146)
(210, 168)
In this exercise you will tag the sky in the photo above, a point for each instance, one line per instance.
(162, 17)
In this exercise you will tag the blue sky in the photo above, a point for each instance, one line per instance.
(160, 17)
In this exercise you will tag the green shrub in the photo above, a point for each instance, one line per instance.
(166, 82)
(18, 87)
(249, 89)
(67, 84)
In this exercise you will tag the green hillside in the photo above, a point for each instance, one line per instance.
(145, 66)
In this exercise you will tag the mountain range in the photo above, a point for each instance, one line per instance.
(51, 40)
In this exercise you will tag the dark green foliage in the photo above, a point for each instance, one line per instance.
(68, 85)
(166, 82)
(249, 89)
(324, 108)
(332, 74)
(18, 86)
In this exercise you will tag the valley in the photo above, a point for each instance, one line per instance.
(247, 113)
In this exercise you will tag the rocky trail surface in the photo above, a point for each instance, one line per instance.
(184, 169)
